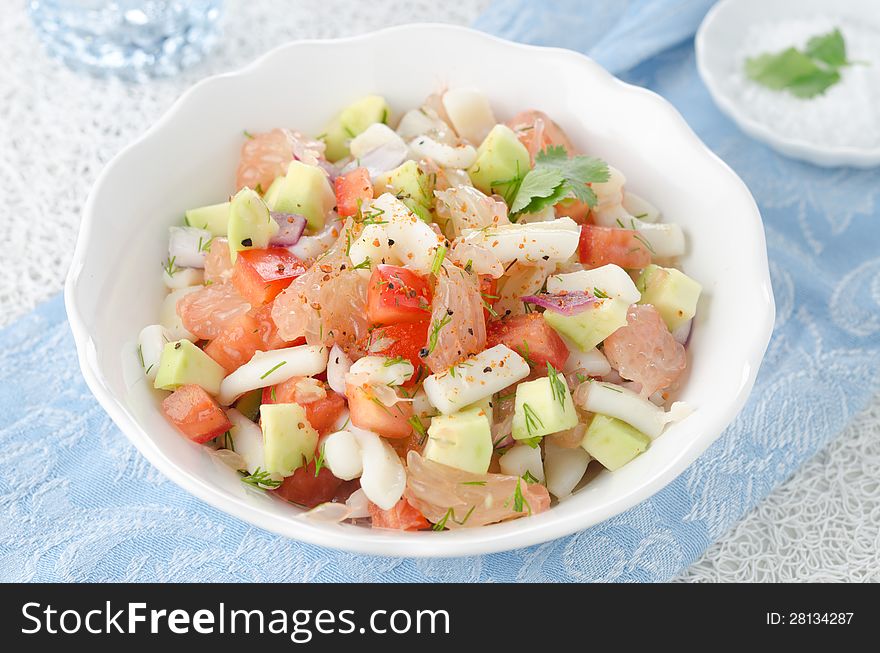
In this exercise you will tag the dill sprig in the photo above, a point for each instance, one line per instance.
(273, 369)
(259, 478)
(558, 388)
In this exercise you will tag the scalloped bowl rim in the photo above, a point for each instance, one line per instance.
(488, 539)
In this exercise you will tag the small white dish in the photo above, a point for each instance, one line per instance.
(720, 37)
(189, 157)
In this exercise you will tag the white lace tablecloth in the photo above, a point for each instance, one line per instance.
(58, 129)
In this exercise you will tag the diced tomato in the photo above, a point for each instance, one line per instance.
(322, 413)
(489, 292)
(352, 190)
(603, 245)
(306, 488)
(531, 337)
(195, 413)
(396, 294)
(402, 516)
(346, 489)
(404, 339)
(367, 412)
(259, 275)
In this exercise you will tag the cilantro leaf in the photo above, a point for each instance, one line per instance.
(814, 84)
(537, 184)
(804, 74)
(778, 71)
(577, 171)
(829, 48)
(555, 177)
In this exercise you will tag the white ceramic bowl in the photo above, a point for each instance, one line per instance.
(721, 34)
(189, 158)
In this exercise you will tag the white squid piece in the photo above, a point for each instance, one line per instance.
(151, 342)
(556, 240)
(384, 477)
(476, 378)
(402, 239)
(267, 368)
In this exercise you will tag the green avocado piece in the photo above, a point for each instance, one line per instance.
(304, 190)
(542, 407)
(250, 225)
(501, 160)
(671, 292)
(359, 115)
(592, 325)
(462, 440)
(613, 442)
(213, 218)
(412, 186)
(354, 119)
(183, 363)
(289, 441)
(271, 193)
(336, 139)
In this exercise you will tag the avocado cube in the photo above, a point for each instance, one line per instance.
(271, 193)
(542, 407)
(213, 218)
(501, 160)
(592, 325)
(613, 442)
(412, 186)
(336, 140)
(304, 190)
(354, 119)
(289, 441)
(462, 440)
(183, 363)
(671, 292)
(250, 225)
(359, 115)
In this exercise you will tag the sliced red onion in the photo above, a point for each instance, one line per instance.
(290, 228)
(569, 303)
(380, 160)
(331, 169)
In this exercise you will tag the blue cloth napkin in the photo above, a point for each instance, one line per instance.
(79, 503)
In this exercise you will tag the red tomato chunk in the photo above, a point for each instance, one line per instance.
(603, 245)
(259, 275)
(367, 412)
(195, 413)
(308, 489)
(353, 190)
(531, 337)
(397, 295)
(405, 339)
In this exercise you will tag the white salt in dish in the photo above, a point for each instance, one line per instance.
(840, 127)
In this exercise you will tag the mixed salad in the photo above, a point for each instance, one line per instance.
(434, 325)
